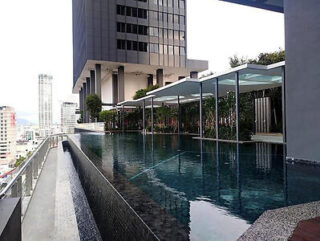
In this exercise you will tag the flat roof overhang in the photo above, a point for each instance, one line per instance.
(252, 77)
(272, 5)
(171, 74)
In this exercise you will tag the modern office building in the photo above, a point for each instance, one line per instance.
(7, 135)
(68, 117)
(45, 104)
(302, 87)
(122, 46)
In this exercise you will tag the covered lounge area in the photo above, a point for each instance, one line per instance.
(238, 100)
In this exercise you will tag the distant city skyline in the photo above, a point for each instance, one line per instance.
(216, 31)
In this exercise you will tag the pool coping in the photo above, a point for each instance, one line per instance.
(279, 224)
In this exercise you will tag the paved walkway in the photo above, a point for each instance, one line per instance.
(38, 223)
(51, 214)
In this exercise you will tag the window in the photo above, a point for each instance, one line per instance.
(154, 32)
(165, 33)
(160, 17)
(142, 13)
(155, 2)
(176, 35)
(176, 19)
(182, 4)
(129, 45)
(142, 30)
(182, 37)
(182, 51)
(170, 48)
(154, 48)
(121, 10)
(182, 20)
(160, 33)
(176, 50)
(128, 11)
(135, 45)
(121, 44)
(170, 3)
(165, 49)
(165, 3)
(154, 15)
(170, 34)
(143, 47)
(131, 12)
(170, 18)
(121, 27)
(160, 2)
(134, 12)
(176, 3)
(160, 48)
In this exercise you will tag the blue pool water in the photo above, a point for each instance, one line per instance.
(214, 190)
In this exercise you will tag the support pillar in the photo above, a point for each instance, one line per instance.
(160, 77)
(152, 121)
(84, 89)
(150, 80)
(217, 107)
(114, 88)
(122, 119)
(121, 93)
(81, 101)
(98, 80)
(92, 82)
(179, 116)
(144, 117)
(87, 94)
(284, 122)
(194, 75)
(200, 112)
(237, 104)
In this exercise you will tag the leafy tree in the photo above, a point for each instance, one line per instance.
(143, 92)
(94, 106)
(263, 58)
(108, 117)
(19, 161)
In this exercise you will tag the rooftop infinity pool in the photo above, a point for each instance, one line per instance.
(213, 191)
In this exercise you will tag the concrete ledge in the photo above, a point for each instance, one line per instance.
(10, 219)
(279, 224)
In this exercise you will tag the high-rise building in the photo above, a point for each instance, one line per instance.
(120, 46)
(7, 135)
(68, 117)
(45, 104)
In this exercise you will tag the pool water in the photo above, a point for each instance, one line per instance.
(215, 190)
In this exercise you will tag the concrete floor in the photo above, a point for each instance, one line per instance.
(38, 223)
(51, 213)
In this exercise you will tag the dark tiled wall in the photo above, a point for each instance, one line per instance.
(115, 219)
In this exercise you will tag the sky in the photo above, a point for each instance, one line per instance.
(36, 37)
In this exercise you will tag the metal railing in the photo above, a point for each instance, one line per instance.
(25, 177)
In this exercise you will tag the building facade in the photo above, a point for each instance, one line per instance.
(122, 46)
(7, 135)
(68, 117)
(302, 87)
(45, 104)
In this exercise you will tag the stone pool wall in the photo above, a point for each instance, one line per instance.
(115, 218)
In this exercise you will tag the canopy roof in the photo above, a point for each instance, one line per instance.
(252, 77)
(273, 5)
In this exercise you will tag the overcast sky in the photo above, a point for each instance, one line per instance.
(36, 37)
